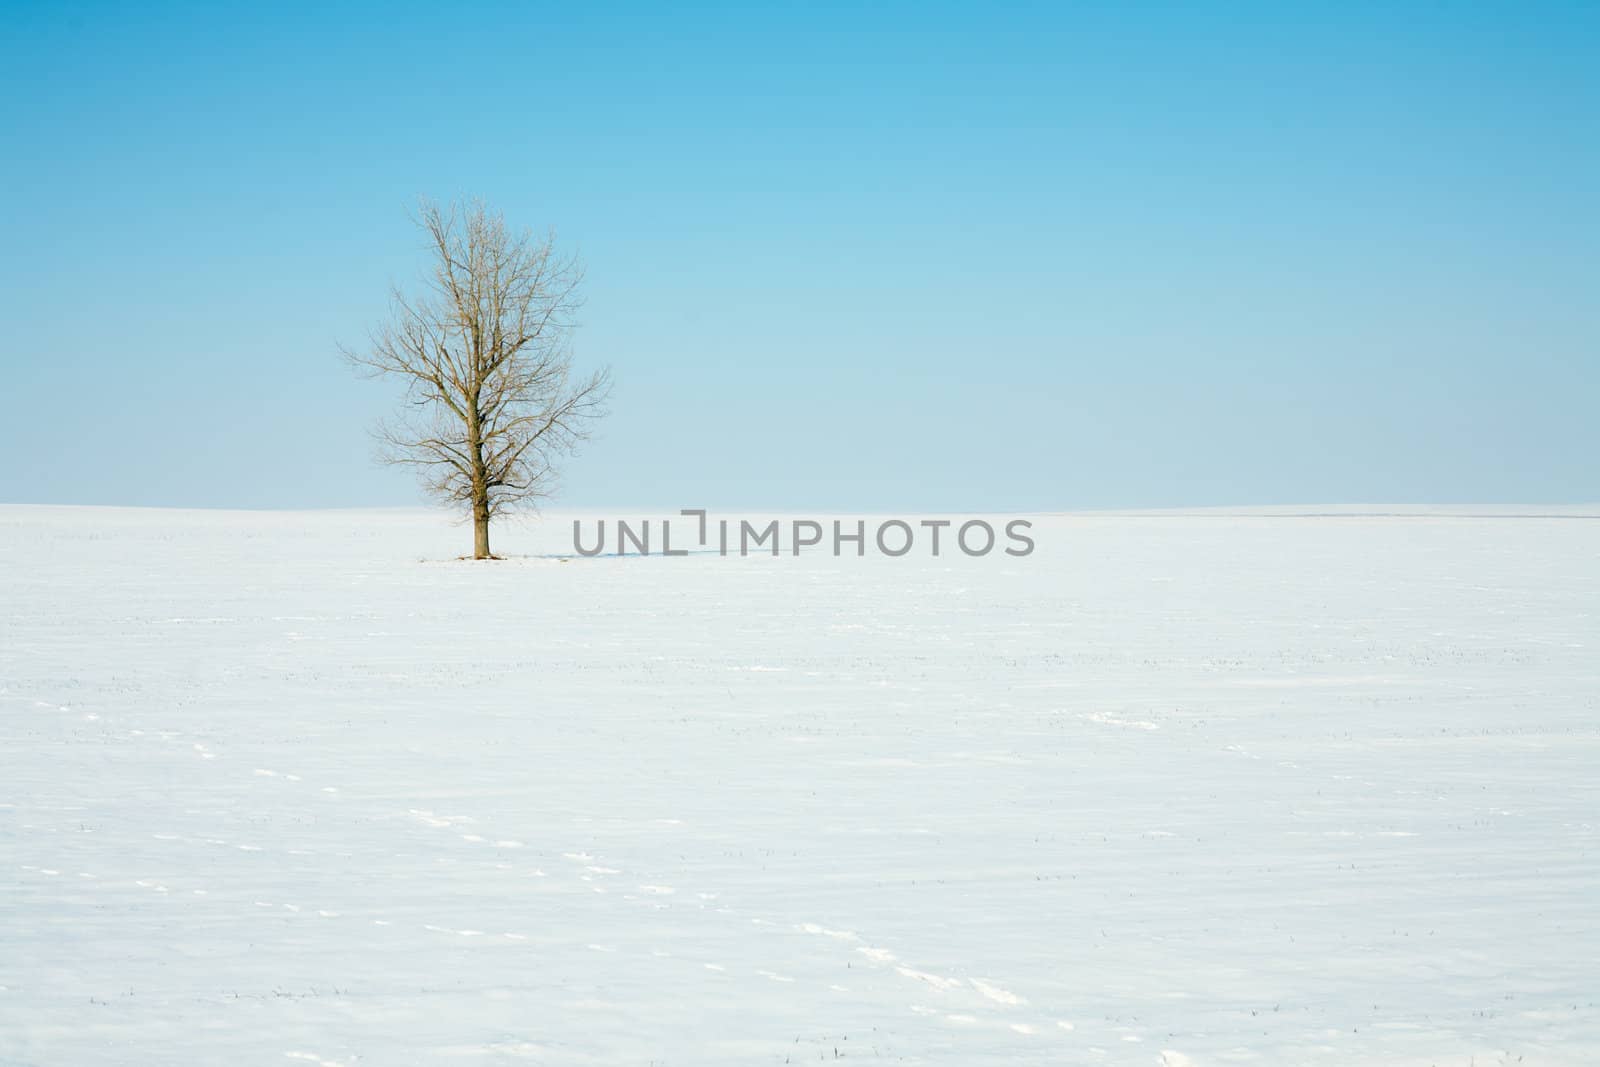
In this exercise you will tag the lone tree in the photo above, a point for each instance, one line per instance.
(485, 353)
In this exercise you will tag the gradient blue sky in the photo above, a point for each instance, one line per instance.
(925, 256)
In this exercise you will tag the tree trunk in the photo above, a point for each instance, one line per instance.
(480, 526)
(480, 482)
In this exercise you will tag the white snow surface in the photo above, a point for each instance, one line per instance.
(303, 788)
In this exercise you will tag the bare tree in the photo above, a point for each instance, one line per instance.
(485, 353)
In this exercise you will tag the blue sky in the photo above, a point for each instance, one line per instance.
(930, 257)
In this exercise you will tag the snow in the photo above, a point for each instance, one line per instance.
(1174, 790)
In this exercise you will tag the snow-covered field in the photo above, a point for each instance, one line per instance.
(301, 788)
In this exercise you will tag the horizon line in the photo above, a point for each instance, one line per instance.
(1303, 511)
